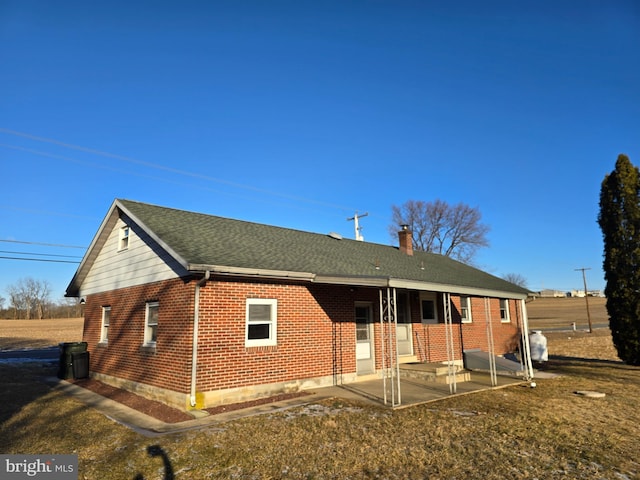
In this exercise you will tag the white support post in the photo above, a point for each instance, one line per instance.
(395, 336)
(389, 342)
(448, 331)
(382, 342)
(526, 350)
(490, 342)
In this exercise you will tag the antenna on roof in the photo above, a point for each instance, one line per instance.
(357, 226)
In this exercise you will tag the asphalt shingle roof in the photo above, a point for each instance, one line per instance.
(201, 239)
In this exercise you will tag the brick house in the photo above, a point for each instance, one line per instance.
(196, 310)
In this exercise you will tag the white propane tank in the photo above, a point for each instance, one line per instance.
(538, 346)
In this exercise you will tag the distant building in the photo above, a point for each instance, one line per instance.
(548, 293)
(580, 293)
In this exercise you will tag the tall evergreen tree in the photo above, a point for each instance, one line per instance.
(619, 219)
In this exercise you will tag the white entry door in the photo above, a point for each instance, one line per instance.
(365, 361)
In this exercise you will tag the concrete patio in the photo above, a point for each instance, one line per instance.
(414, 391)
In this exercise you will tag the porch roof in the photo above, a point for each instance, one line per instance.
(203, 242)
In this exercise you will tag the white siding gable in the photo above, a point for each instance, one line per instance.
(142, 262)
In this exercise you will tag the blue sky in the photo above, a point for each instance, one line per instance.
(300, 114)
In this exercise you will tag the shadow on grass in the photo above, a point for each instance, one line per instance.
(29, 405)
(563, 360)
(157, 451)
(593, 369)
(22, 385)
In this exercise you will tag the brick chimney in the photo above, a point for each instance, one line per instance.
(406, 243)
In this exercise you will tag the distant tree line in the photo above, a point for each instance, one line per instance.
(29, 298)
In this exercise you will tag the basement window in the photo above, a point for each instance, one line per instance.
(261, 322)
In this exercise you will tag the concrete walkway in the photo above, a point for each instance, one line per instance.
(413, 392)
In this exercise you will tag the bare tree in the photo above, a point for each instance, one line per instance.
(516, 279)
(28, 295)
(451, 230)
(16, 301)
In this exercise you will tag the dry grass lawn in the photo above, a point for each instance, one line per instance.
(518, 432)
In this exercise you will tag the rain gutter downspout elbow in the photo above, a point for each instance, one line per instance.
(194, 348)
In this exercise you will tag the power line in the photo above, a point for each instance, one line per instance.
(41, 254)
(42, 244)
(151, 165)
(40, 260)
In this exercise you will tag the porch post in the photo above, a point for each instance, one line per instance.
(395, 336)
(526, 350)
(382, 342)
(490, 342)
(389, 335)
(448, 333)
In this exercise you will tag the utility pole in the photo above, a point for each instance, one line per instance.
(586, 294)
(357, 226)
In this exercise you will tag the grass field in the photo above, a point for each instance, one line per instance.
(17, 334)
(562, 312)
(518, 432)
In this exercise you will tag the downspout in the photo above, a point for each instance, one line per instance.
(194, 347)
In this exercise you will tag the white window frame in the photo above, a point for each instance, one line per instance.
(104, 326)
(272, 339)
(504, 311)
(431, 297)
(124, 238)
(150, 323)
(465, 306)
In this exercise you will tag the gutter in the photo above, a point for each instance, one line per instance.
(251, 272)
(194, 347)
(383, 282)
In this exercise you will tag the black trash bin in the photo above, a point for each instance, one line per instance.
(67, 349)
(80, 364)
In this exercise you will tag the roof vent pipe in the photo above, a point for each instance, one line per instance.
(406, 241)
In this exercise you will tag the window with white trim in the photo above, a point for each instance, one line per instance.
(504, 310)
(104, 329)
(123, 242)
(428, 310)
(261, 322)
(465, 309)
(151, 323)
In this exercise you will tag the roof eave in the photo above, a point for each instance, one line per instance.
(251, 272)
(363, 281)
(457, 289)
(153, 235)
(73, 290)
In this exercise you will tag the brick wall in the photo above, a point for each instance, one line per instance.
(168, 366)
(315, 333)
(312, 330)
(430, 339)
